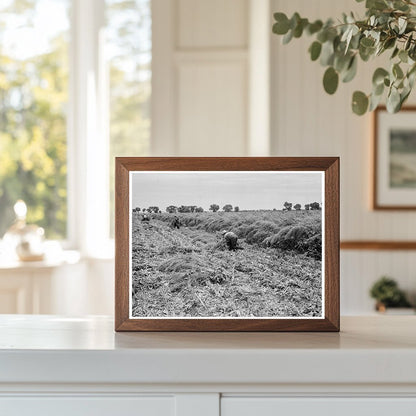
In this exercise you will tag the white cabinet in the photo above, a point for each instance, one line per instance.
(198, 404)
(88, 406)
(270, 406)
(80, 366)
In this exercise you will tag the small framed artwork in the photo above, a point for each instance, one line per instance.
(394, 160)
(227, 244)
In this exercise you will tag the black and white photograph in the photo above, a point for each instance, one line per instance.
(226, 244)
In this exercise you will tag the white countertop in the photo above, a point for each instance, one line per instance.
(53, 349)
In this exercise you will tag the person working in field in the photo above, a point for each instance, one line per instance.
(230, 239)
(176, 223)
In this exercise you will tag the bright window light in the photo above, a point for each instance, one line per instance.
(33, 102)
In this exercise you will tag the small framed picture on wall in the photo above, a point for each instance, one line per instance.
(227, 244)
(394, 159)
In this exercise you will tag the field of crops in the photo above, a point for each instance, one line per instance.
(190, 272)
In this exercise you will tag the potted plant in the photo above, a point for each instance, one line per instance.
(387, 294)
(389, 27)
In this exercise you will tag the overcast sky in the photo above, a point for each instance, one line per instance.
(247, 190)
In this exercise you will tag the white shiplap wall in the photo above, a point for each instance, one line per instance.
(305, 121)
(200, 77)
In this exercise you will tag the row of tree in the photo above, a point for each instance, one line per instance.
(155, 210)
(225, 208)
(287, 206)
(184, 208)
(172, 209)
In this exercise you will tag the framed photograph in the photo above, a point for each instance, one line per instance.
(227, 244)
(394, 163)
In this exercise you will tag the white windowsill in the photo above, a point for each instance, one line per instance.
(64, 257)
(56, 256)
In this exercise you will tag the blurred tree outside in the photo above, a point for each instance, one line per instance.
(33, 99)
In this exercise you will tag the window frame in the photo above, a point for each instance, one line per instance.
(87, 133)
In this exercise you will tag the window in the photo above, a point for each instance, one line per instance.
(33, 97)
(75, 87)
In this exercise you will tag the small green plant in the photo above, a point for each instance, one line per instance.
(389, 26)
(388, 294)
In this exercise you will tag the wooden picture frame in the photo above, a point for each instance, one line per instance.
(394, 184)
(134, 180)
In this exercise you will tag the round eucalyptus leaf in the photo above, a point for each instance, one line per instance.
(330, 80)
(376, 4)
(298, 30)
(327, 53)
(379, 75)
(322, 36)
(389, 43)
(403, 96)
(314, 27)
(374, 102)
(288, 37)
(400, 5)
(393, 101)
(294, 20)
(315, 50)
(367, 42)
(355, 41)
(341, 61)
(366, 53)
(359, 103)
(281, 27)
(411, 76)
(402, 22)
(378, 89)
(403, 56)
(397, 71)
(351, 71)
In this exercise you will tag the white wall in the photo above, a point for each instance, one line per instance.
(202, 88)
(308, 122)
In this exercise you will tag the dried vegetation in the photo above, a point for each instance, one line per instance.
(190, 272)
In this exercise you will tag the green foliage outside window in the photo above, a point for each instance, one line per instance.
(33, 99)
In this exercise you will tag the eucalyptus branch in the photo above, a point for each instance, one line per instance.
(388, 25)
